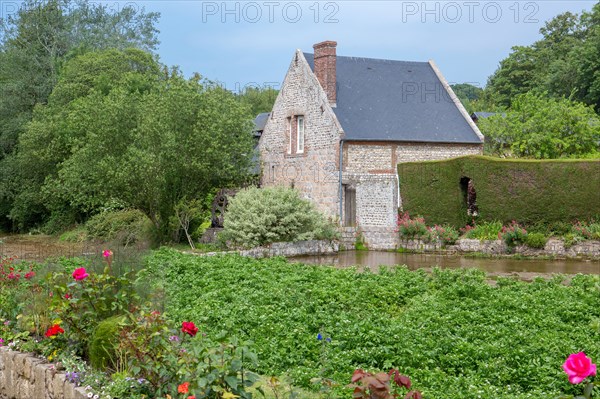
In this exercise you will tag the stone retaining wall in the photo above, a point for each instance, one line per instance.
(554, 247)
(289, 249)
(23, 376)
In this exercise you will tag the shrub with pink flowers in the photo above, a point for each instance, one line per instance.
(513, 234)
(411, 227)
(446, 234)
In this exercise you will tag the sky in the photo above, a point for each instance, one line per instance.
(251, 43)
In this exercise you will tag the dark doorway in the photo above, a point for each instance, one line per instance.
(349, 206)
(469, 195)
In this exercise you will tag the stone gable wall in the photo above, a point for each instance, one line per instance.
(315, 172)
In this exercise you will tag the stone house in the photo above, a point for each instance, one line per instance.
(340, 125)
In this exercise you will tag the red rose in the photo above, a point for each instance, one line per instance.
(30, 275)
(184, 388)
(80, 274)
(189, 327)
(54, 330)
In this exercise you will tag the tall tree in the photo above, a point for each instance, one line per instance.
(565, 62)
(132, 133)
(35, 43)
(540, 127)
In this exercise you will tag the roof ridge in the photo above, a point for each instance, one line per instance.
(375, 59)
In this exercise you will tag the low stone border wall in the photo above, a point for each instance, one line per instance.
(23, 376)
(554, 247)
(287, 249)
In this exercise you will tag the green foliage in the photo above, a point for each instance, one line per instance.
(167, 358)
(532, 192)
(468, 94)
(83, 304)
(412, 227)
(563, 63)
(104, 342)
(133, 134)
(125, 226)
(536, 240)
(456, 336)
(513, 234)
(446, 234)
(589, 231)
(258, 99)
(483, 231)
(78, 234)
(544, 128)
(262, 216)
(35, 43)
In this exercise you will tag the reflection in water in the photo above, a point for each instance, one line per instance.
(373, 259)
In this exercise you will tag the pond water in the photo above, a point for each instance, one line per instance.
(494, 266)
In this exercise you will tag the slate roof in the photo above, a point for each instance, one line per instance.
(385, 100)
(259, 123)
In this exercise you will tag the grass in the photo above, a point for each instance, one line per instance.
(456, 336)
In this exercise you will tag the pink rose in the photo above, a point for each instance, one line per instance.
(107, 253)
(80, 274)
(578, 367)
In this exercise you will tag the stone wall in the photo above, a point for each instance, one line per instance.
(371, 169)
(290, 249)
(314, 172)
(287, 249)
(348, 236)
(23, 376)
(417, 152)
(554, 247)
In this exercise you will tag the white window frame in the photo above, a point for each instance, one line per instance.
(300, 134)
(289, 129)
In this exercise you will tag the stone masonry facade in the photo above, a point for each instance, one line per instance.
(314, 172)
(369, 186)
(371, 169)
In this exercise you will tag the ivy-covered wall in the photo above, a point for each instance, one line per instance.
(529, 191)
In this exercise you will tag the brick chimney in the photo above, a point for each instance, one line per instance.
(325, 68)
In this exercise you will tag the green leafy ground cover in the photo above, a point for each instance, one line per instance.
(452, 333)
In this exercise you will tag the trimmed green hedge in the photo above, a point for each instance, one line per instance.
(529, 191)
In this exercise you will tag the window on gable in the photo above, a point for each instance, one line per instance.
(300, 130)
(295, 133)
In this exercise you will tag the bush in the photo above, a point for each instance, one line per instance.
(536, 240)
(588, 231)
(483, 231)
(412, 227)
(79, 234)
(126, 226)
(104, 343)
(446, 234)
(262, 216)
(513, 234)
